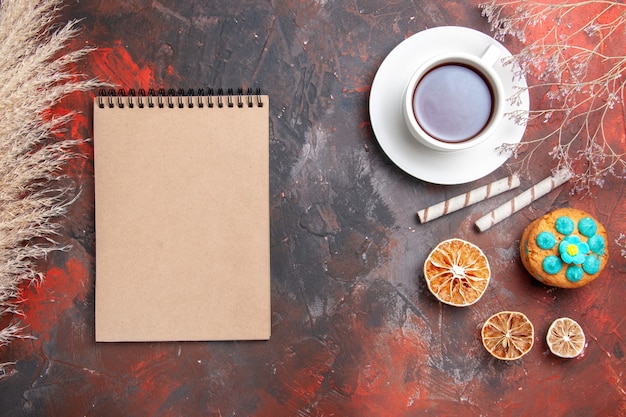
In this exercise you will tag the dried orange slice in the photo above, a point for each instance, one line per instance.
(508, 335)
(457, 272)
(565, 338)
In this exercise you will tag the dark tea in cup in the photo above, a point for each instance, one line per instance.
(453, 102)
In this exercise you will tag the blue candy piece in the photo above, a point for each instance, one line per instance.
(573, 250)
(552, 264)
(596, 244)
(564, 225)
(574, 273)
(591, 264)
(587, 226)
(546, 240)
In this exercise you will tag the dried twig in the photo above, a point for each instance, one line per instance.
(35, 74)
(574, 52)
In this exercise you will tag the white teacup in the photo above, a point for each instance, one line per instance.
(454, 101)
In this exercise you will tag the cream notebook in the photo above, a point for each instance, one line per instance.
(182, 217)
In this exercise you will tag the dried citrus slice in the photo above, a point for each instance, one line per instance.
(457, 272)
(508, 335)
(565, 338)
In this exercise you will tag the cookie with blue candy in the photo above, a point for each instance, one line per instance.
(565, 248)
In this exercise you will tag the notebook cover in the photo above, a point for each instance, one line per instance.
(182, 223)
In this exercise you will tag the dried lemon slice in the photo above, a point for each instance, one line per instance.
(565, 338)
(457, 272)
(508, 335)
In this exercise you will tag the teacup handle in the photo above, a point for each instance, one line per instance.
(491, 55)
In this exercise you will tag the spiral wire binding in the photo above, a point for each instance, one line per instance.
(178, 98)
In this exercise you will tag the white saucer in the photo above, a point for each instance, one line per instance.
(386, 109)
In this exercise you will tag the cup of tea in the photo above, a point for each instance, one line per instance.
(454, 101)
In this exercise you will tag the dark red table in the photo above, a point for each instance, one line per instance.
(355, 331)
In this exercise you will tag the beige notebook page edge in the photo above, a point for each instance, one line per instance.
(182, 223)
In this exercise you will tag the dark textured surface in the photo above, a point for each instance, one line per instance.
(355, 331)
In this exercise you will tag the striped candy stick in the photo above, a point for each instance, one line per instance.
(467, 199)
(524, 199)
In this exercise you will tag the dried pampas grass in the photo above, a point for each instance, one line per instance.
(35, 74)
